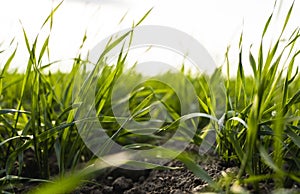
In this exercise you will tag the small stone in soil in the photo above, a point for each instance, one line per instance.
(134, 190)
(122, 184)
(177, 191)
(97, 191)
(108, 190)
(201, 188)
(141, 179)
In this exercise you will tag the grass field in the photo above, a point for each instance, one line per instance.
(255, 117)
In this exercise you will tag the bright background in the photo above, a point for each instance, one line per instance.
(215, 23)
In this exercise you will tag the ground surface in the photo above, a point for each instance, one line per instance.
(179, 181)
(156, 181)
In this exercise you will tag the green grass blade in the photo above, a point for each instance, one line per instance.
(50, 16)
(7, 111)
(268, 160)
(253, 64)
(8, 62)
(287, 18)
(144, 17)
(44, 47)
(294, 137)
(267, 25)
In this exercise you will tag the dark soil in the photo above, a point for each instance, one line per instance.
(179, 181)
(155, 181)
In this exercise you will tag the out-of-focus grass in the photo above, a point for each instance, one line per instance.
(259, 130)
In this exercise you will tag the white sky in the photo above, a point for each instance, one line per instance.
(214, 23)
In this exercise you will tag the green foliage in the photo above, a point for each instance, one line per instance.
(260, 128)
(256, 119)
